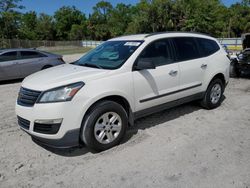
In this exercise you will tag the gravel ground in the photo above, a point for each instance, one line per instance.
(185, 146)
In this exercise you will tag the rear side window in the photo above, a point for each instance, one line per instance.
(186, 48)
(207, 46)
(8, 56)
(30, 55)
(159, 52)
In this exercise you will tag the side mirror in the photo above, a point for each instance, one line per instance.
(143, 64)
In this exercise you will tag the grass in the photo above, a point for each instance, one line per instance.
(70, 51)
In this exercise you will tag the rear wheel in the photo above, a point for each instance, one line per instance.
(104, 126)
(213, 96)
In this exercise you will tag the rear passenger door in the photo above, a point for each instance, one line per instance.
(30, 62)
(153, 87)
(192, 67)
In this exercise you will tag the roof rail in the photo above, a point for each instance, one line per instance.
(130, 35)
(165, 32)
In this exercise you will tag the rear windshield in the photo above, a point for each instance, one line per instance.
(109, 55)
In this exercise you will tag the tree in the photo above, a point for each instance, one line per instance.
(10, 5)
(119, 19)
(28, 26)
(65, 17)
(98, 21)
(9, 18)
(239, 19)
(77, 32)
(45, 27)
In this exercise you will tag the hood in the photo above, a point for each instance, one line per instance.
(61, 75)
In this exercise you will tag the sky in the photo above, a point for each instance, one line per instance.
(50, 6)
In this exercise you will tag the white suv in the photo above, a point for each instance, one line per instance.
(94, 99)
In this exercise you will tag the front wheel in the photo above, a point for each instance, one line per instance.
(213, 96)
(104, 126)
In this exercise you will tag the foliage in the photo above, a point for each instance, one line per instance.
(106, 21)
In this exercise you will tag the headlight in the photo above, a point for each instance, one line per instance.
(60, 94)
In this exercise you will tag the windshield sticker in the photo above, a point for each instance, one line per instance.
(132, 44)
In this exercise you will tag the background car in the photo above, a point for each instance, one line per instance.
(19, 63)
(241, 63)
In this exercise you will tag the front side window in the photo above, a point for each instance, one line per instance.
(30, 55)
(158, 52)
(186, 48)
(8, 56)
(109, 55)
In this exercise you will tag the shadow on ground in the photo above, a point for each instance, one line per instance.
(11, 81)
(140, 124)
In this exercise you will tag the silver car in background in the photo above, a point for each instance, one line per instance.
(19, 63)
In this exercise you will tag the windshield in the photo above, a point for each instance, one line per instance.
(109, 55)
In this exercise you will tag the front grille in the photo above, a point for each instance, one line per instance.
(47, 128)
(23, 123)
(27, 97)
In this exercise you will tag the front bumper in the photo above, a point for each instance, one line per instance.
(68, 132)
(70, 139)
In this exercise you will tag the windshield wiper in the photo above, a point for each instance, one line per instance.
(91, 65)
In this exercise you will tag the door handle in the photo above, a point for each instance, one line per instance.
(173, 72)
(204, 66)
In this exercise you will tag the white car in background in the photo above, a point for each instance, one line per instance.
(95, 99)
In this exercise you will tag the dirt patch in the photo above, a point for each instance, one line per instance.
(186, 146)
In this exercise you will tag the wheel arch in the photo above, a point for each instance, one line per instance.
(219, 75)
(115, 98)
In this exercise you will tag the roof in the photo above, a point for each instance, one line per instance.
(27, 49)
(159, 35)
(16, 49)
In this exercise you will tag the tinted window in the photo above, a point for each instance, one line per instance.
(30, 54)
(8, 56)
(186, 48)
(158, 52)
(207, 47)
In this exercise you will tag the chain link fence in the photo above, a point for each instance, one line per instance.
(16, 43)
(231, 43)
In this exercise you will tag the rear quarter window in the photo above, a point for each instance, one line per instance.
(186, 48)
(207, 46)
(31, 54)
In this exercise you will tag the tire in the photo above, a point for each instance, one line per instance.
(46, 67)
(237, 72)
(234, 70)
(97, 131)
(213, 96)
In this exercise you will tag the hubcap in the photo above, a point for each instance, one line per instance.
(215, 93)
(107, 127)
